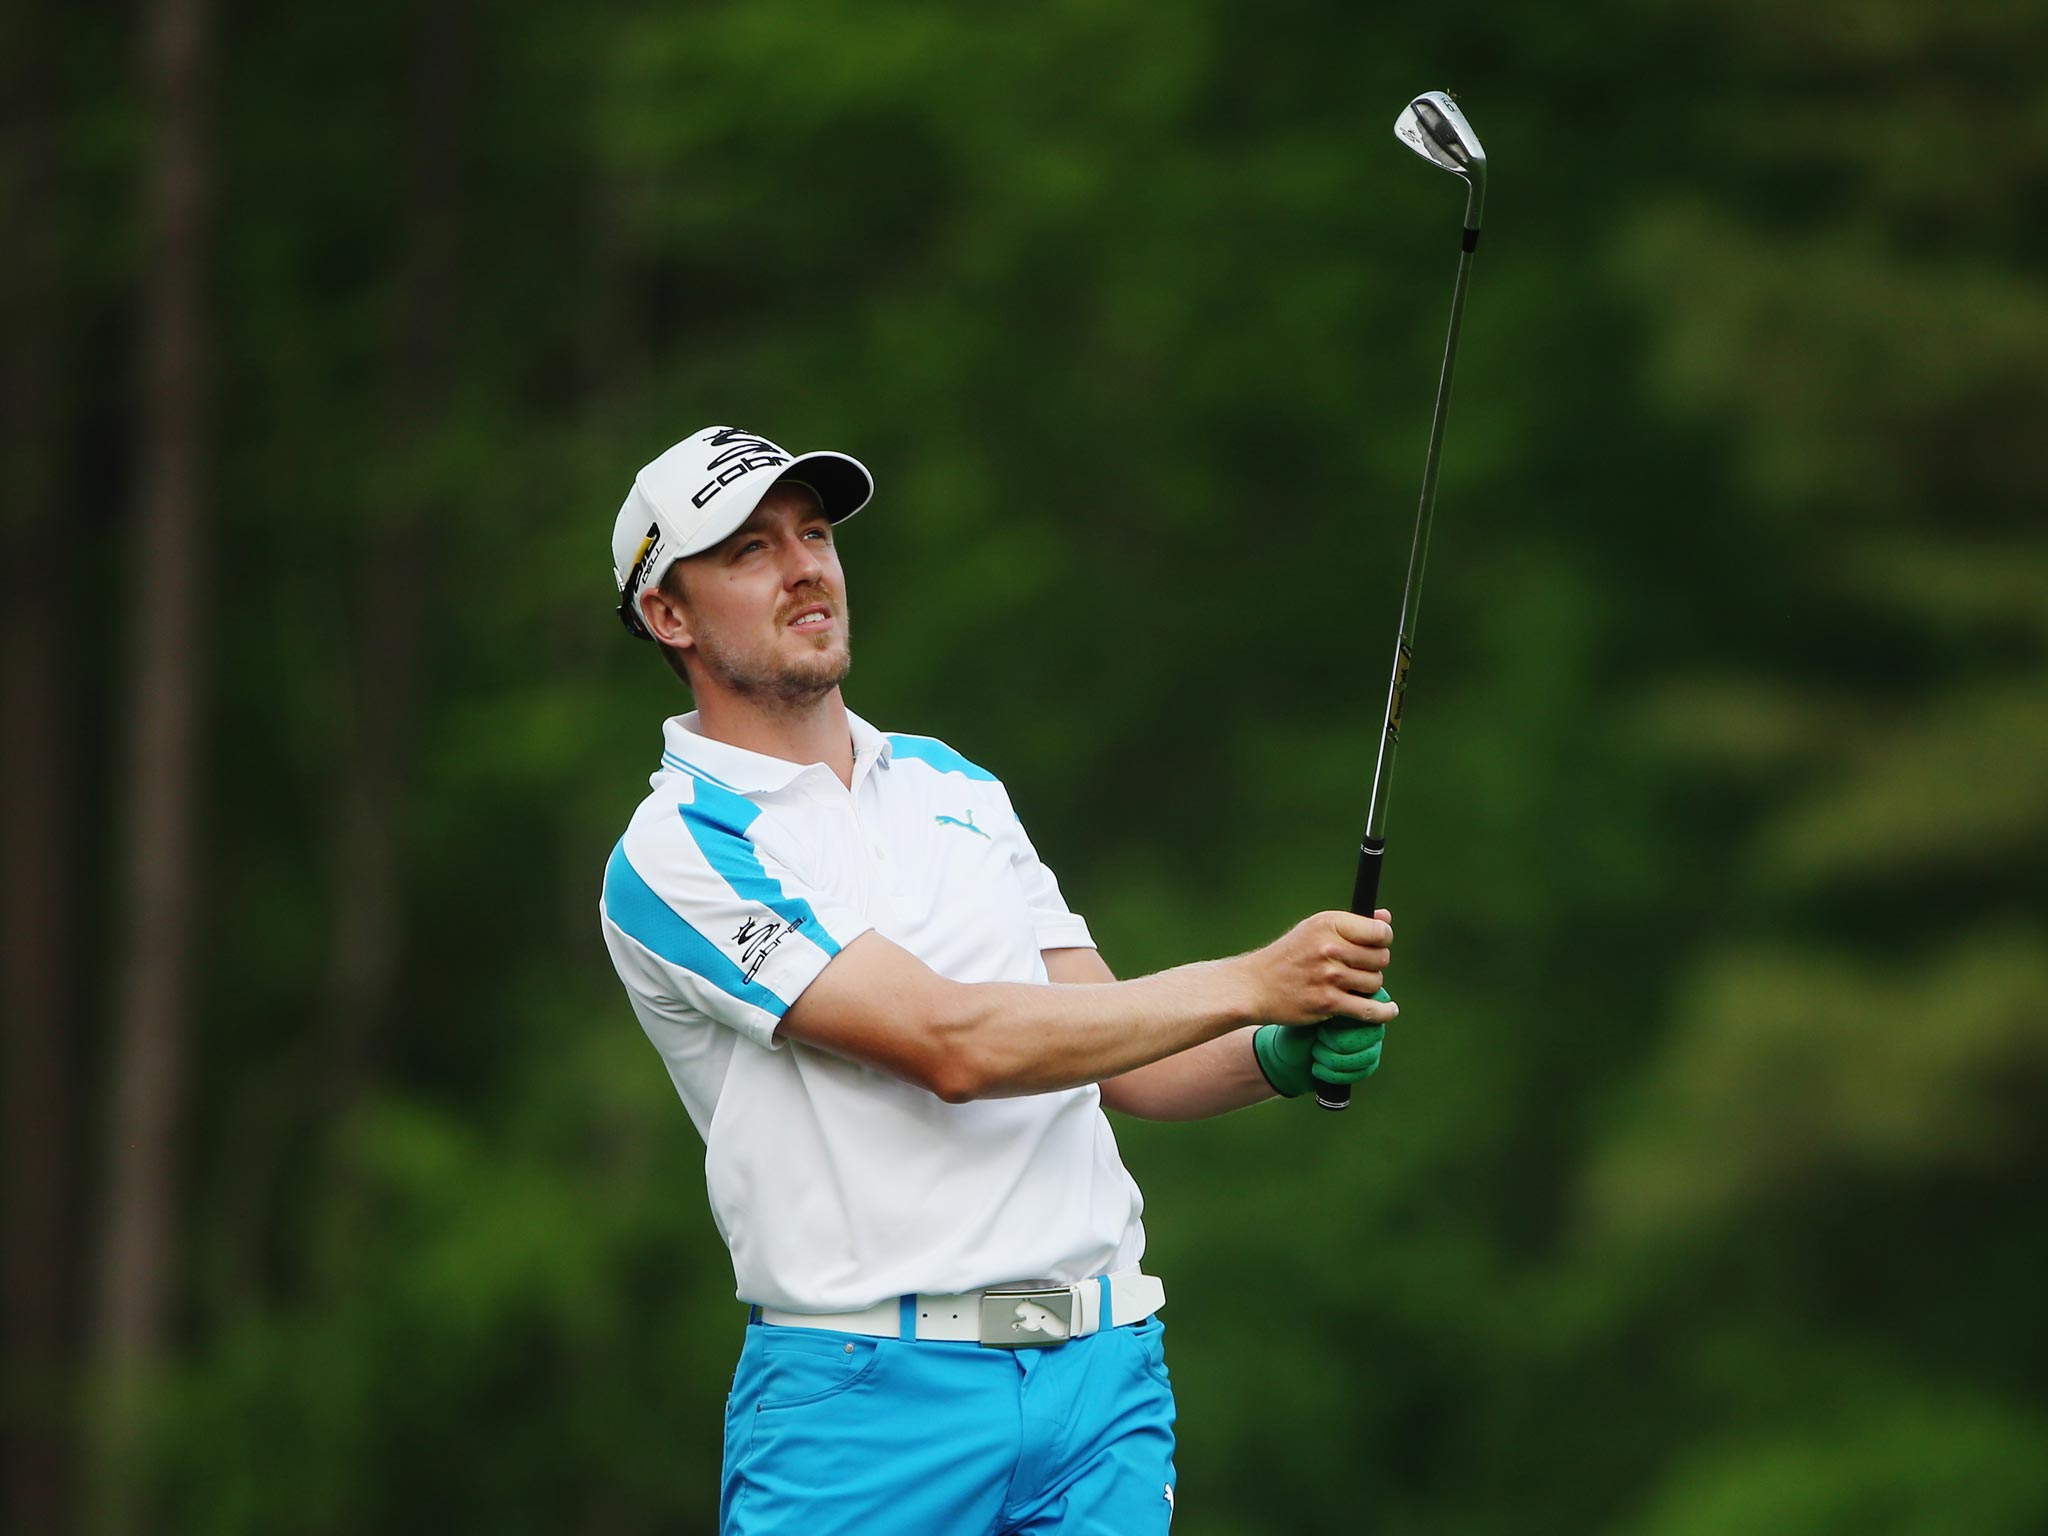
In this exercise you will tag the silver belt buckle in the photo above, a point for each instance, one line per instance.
(1027, 1316)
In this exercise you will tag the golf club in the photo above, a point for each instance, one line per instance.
(1435, 129)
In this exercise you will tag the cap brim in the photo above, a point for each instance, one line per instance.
(841, 483)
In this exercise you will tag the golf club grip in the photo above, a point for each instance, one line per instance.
(1365, 900)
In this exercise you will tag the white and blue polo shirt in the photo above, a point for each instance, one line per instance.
(836, 1185)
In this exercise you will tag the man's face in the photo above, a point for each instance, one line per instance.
(765, 609)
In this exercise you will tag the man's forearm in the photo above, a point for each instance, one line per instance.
(1017, 1039)
(1208, 1079)
(1211, 1079)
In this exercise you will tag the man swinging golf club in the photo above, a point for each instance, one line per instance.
(840, 941)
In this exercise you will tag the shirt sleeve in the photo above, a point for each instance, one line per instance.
(1056, 925)
(702, 922)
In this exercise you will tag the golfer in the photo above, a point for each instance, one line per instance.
(840, 941)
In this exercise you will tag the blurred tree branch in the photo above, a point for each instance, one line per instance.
(162, 578)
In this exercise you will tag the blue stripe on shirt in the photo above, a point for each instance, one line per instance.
(926, 749)
(671, 760)
(653, 924)
(718, 819)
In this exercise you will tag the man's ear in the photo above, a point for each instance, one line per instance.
(666, 618)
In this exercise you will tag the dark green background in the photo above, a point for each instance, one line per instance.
(1703, 1187)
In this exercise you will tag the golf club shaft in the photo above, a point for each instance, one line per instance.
(1372, 847)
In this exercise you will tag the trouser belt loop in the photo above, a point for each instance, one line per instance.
(1104, 1319)
(906, 1317)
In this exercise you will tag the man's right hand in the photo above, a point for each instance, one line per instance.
(1324, 967)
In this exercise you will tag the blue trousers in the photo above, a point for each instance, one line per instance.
(829, 1433)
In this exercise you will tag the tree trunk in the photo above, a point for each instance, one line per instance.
(38, 1007)
(369, 916)
(161, 764)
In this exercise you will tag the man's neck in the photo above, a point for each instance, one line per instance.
(817, 732)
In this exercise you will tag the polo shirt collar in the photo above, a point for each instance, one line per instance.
(755, 773)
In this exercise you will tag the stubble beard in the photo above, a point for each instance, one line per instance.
(777, 683)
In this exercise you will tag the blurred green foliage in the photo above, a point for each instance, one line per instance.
(1703, 1189)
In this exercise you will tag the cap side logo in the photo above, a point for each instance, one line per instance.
(640, 556)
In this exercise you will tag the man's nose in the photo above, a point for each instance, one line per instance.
(804, 565)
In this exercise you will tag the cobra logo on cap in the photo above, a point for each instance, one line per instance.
(743, 453)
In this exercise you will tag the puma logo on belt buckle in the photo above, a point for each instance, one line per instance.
(1027, 1316)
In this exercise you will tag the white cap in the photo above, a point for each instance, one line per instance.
(704, 488)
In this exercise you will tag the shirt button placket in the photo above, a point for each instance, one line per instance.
(871, 839)
(868, 835)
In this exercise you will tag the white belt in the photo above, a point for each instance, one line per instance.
(1005, 1316)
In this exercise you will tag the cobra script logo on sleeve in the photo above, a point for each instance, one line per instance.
(758, 938)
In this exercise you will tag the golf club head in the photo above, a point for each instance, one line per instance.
(1435, 129)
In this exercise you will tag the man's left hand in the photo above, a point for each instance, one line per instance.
(1336, 1051)
(1346, 1051)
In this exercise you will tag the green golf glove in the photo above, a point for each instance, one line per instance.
(1294, 1058)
